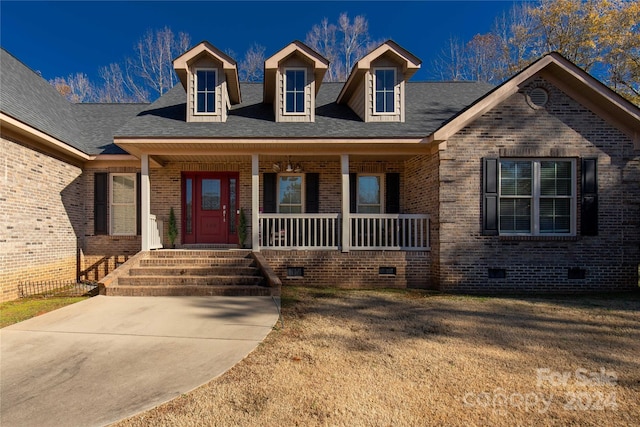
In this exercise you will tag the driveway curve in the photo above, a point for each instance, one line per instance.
(107, 358)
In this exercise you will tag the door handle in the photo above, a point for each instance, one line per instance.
(224, 213)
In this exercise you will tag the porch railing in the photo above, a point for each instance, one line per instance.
(300, 231)
(155, 232)
(407, 232)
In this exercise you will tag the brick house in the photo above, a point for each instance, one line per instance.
(459, 186)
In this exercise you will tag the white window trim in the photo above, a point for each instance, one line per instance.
(395, 85)
(195, 93)
(381, 178)
(535, 197)
(112, 204)
(304, 92)
(302, 190)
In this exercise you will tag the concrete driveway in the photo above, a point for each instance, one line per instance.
(107, 358)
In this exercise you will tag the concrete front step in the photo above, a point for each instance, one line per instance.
(145, 281)
(157, 291)
(197, 270)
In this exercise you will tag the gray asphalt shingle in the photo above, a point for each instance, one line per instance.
(90, 128)
(429, 105)
(27, 97)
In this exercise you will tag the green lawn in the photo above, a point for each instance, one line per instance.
(22, 309)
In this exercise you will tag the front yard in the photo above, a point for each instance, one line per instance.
(406, 358)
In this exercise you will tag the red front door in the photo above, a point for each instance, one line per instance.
(209, 203)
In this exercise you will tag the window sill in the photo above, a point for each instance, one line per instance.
(541, 238)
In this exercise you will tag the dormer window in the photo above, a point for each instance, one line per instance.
(206, 91)
(385, 82)
(295, 82)
(210, 80)
(375, 88)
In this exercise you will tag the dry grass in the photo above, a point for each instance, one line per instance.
(409, 358)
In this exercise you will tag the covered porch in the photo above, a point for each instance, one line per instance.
(372, 199)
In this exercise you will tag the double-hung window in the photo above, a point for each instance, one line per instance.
(290, 193)
(295, 82)
(123, 204)
(537, 197)
(385, 82)
(369, 194)
(205, 91)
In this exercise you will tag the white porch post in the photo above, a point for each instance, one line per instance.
(145, 202)
(346, 218)
(255, 203)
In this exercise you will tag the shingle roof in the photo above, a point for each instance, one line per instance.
(100, 121)
(428, 106)
(90, 128)
(27, 97)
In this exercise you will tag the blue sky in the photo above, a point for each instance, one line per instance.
(58, 38)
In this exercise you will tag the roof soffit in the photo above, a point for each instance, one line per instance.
(229, 66)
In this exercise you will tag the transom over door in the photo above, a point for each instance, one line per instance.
(209, 203)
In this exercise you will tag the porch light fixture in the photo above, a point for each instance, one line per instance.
(291, 167)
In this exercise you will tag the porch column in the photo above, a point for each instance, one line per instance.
(255, 203)
(346, 217)
(145, 202)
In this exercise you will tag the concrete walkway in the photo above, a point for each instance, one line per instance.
(107, 358)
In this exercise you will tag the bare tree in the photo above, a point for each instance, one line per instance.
(602, 37)
(322, 39)
(342, 44)
(76, 87)
(115, 87)
(152, 65)
(252, 66)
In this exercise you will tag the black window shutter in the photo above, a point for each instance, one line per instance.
(270, 183)
(138, 204)
(312, 190)
(589, 210)
(490, 196)
(100, 203)
(353, 192)
(392, 193)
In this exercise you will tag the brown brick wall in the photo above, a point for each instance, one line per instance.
(562, 129)
(355, 269)
(41, 207)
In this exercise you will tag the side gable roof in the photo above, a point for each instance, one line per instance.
(319, 63)
(181, 65)
(410, 64)
(567, 76)
(29, 99)
(31, 106)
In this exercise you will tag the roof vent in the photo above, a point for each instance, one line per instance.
(538, 98)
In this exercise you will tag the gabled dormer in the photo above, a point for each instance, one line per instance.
(210, 79)
(292, 78)
(375, 89)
